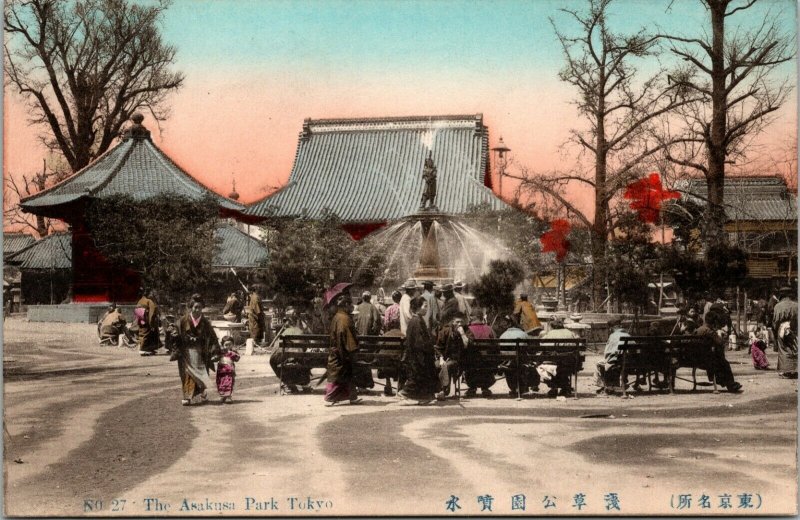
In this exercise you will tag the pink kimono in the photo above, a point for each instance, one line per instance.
(226, 372)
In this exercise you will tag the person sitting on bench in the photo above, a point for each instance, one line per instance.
(558, 381)
(718, 366)
(477, 373)
(608, 370)
(529, 379)
(290, 372)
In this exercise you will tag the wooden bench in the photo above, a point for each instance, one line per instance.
(567, 354)
(374, 352)
(666, 354)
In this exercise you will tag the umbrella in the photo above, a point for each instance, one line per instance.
(334, 292)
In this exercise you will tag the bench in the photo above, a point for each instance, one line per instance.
(567, 354)
(374, 352)
(666, 354)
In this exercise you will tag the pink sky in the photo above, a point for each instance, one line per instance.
(246, 123)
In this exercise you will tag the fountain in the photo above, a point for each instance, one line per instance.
(432, 245)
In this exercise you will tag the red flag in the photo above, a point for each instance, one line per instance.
(646, 196)
(555, 240)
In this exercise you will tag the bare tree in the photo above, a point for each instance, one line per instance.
(85, 66)
(619, 110)
(732, 70)
(15, 189)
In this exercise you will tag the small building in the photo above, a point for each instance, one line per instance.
(135, 167)
(368, 171)
(12, 278)
(45, 270)
(761, 218)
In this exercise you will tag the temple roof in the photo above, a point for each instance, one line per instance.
(370, 170)
(13, 242)
(135, 167)
(756, 198)
(238, 249)
(51, 252)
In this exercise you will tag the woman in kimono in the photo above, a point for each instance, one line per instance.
(197, 349)
(343, 344)
(418, 361)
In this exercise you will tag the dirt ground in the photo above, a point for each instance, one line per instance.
(93, 430)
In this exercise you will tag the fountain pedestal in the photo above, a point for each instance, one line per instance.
(429, 267)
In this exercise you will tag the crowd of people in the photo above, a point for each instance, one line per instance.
(439, 326)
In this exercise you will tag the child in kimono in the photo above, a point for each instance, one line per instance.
(226, 370)
(757, 348)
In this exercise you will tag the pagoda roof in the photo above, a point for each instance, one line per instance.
(370, 169)
(238, 249)
(13, 242)
(748, 198)
(134, 167)
(51, 252)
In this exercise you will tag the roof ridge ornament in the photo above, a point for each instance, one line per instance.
(137, 130)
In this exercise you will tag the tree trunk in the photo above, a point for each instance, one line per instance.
(715, 138)
(599, 226)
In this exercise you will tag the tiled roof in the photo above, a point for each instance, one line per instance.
(134, 167)
(13, 242)
(51, 252)
(238, 249)
(748, 198)
(370, 170)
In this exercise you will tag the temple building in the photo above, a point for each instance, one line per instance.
(368, 171)
(134, 167)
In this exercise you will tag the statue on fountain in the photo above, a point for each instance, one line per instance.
(429, 175)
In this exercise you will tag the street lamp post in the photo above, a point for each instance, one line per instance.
(500, 150)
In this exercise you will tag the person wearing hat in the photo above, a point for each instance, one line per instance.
(409, 291)
(463, 305)
(784, 325)
(477, 372)
(343, 344)
(450, 305)
(525, 314)
(432, 316)
(368, 320)
(552, 374)
(607, 371)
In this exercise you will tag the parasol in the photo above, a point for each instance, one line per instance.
(334, 292)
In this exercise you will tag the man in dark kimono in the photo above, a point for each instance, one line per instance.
(784, 326)
(368, 321)
(148, 319)
(343, 344)
(717, 366)
(419, 365)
